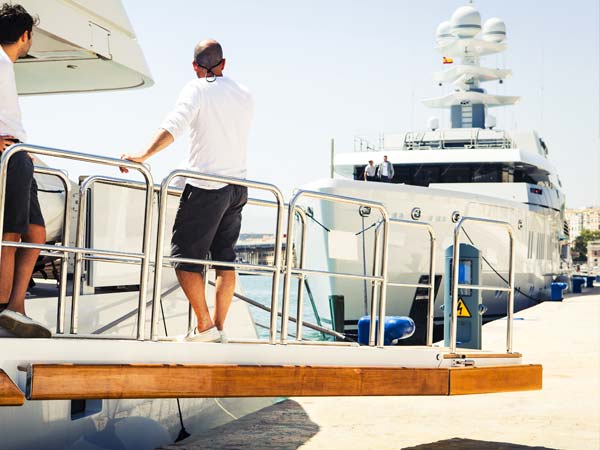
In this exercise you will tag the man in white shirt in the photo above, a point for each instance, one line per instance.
(23, 220)
(385, 170)
(218, 112)
(370, 171)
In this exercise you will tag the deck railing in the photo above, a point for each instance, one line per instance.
(510, 289)
(79, 251)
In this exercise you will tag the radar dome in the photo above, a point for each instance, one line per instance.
(433, 123)
(466, 22)
(443, 33)
(490, 121)
(494, 30)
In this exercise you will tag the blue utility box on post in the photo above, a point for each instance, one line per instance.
(468, 327)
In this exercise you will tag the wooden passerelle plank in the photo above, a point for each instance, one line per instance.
(10, 394)
(66, 381)
(70, 381)
(482, 380)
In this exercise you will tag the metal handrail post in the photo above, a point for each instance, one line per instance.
(158, 260)
(511, 293)
(431, 305)
(158, 265)
(374, 287)
(384, 274)
(80, 237)
(64, 265)
(455, 284)
(453, 312)
(300, 294)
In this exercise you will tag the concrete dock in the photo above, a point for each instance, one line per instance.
(565, 414)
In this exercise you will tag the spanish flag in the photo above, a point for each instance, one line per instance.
(446, 60)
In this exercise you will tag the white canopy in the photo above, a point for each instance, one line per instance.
(79, 46)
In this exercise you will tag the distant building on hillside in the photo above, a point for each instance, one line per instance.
(582, 219)
(593, 255)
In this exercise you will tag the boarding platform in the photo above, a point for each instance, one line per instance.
(72, 365)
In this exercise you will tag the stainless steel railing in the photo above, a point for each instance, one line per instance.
(79, 251)
(112, 256)
(429, 286)
(291, 272)
(275, 269)
(456, 286)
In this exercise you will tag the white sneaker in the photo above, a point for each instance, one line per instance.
(210, 335)
(4, 333)
(22, 326)
(224, 339)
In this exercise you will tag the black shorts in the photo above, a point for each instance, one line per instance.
(21, 205)
(208, 220)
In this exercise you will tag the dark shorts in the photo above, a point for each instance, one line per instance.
(21, 205)
(373, 178)
(208, 221)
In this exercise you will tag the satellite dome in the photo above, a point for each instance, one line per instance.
(466, 22)
(433, 123)
(443, 33)
(494, 30)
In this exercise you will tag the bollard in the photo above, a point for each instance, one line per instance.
(577, 283)
(556, 291)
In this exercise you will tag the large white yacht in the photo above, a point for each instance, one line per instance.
(470, 169)
(113, 377)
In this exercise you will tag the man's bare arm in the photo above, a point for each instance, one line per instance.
(161, 140)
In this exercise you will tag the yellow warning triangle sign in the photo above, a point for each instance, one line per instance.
(462, 309)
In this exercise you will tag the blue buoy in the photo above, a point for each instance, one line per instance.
(556, 291)
(395, 329)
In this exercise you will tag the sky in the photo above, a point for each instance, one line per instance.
(333, 69)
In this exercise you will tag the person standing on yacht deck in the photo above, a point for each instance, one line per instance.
(218, 112)
(385, 170)
(23, 220)
(370, 172)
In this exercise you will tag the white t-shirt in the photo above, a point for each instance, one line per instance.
(370, 170)
(384, 169)
(10, 112)
(219, 115)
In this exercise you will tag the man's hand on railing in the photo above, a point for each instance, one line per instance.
(6, 141)
(132, 158)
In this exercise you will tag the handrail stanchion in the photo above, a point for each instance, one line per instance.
(302, 216)
(455, 282)
(114, 162)
(431, 305)
(160, 258)
(374, 287)
(384, 274)
(453, 313)
(511, 293)
(64, 266)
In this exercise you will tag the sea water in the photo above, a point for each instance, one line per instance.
(258, 288)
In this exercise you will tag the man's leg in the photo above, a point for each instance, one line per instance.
(225, 286)
(25, 259)
(7, 267)
(192, 284)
